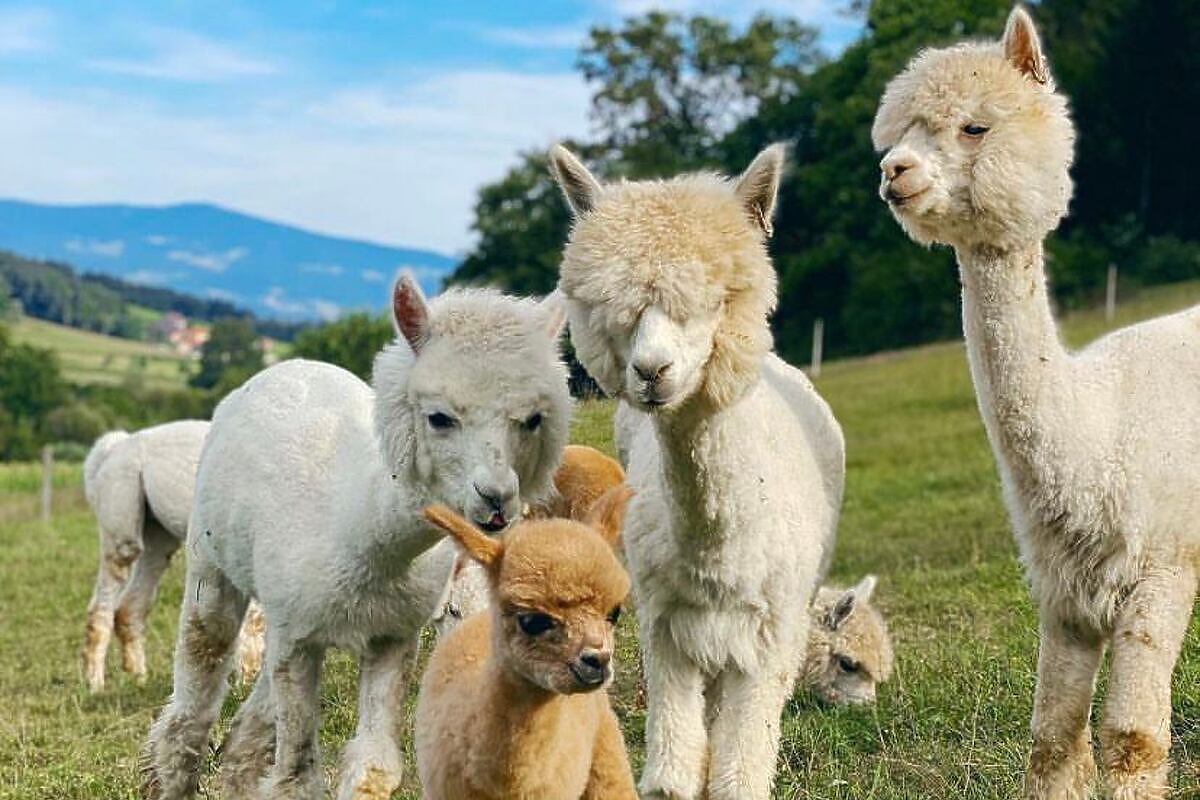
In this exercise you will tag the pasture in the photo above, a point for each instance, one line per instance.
(87, 357)
(922, 511)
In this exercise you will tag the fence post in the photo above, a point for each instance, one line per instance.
(818, 345)
(47, 480)
(1110, 297)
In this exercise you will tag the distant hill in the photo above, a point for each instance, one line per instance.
(272, 269)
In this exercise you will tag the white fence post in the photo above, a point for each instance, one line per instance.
(818, 345)
(1110, 297)
(47, 480)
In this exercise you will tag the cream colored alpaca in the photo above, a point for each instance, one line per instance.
(849, 647)
(737, 462)
(513, 703)
(1099, 451)
(581, 478)
(140, 488)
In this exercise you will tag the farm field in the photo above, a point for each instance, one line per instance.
(922, 512)
(88, 357)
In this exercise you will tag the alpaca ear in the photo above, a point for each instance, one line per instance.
(577, 183)
(759, 184)
(841, 610)
(865, 588)
(1023, 48)
(608, 512)
(484, 549)
(410, 312)
(555, 307)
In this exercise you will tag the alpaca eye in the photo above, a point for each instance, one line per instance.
(974, 130)
(614, 616)
(442, 422)
(848, 665)
(533, 423)
(534, 624)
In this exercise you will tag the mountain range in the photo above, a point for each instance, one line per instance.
(275, 270)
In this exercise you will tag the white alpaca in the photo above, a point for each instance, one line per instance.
(738, 465)
(140, 488)
(308, 498)
(1099, 451)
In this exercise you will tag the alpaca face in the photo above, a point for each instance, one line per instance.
(978, 144)
(558, 589)
(668, 282)
(856, 652)
(474, 400)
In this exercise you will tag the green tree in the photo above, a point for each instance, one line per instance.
(30, 387)
(350, 342)
(231, 345)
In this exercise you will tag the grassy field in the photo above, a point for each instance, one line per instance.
(88, 357)
(922, 511)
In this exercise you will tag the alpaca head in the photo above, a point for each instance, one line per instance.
(979, 144)
(557, 590)
(668, 282)
(854, 652)
(471, 399)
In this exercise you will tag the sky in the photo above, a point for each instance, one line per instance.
(375, 121)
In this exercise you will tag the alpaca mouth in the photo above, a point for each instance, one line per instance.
(496, 522)
(899, 200)
(586, 682)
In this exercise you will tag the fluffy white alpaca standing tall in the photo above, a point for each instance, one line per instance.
(1099, 451)
(140, 488)
(737, 463)
(308, 497)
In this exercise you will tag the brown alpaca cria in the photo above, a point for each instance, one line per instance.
(513, 703)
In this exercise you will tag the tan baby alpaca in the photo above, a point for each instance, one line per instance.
(513, 703)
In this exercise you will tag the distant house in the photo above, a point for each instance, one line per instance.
(166, 326)
(269, 349)
(189, 341)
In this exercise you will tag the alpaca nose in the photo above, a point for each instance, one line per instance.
(651, 371)
(496, 495)
(592, 666)
(896, 164)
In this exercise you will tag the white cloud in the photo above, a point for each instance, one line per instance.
(176, 55)
(221, 294)
(396, 165)
(323, 269)
(148, 277)
(157, 240)
(277, 300)
(96, 247)
(559, 37)
(213, 262)
(24, 31)
(373, 276)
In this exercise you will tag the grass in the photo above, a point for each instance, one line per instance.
(88, 357)
(922, 511)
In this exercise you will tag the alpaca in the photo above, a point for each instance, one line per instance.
(849, 649)
(308, 498)
(513, 703)
(1098, 451)
(737, 463)
(140, 487)
(583, 476)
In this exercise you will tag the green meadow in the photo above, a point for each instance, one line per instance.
(922, 512)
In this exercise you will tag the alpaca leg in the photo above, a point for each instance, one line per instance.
(372, 762)
(138, 597)
(295, 683)
(610, 777)
(744, 738)
(110, 580)
(676, 739)
(208, 624)
(249, 748)
(1136, 733)
(251, 643)
(1061, 766)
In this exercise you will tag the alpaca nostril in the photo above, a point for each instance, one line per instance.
(651, 373)
(896, 169)
(596, 661)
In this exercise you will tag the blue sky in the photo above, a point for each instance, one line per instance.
(370, 120)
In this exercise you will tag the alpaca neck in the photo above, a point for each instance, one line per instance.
(1016, 358)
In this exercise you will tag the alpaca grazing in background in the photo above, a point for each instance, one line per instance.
(849, 650)
(1099, 451)
(737, 463)
(513, 702)
(309, 496)
(140, 488)
(581, 478)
